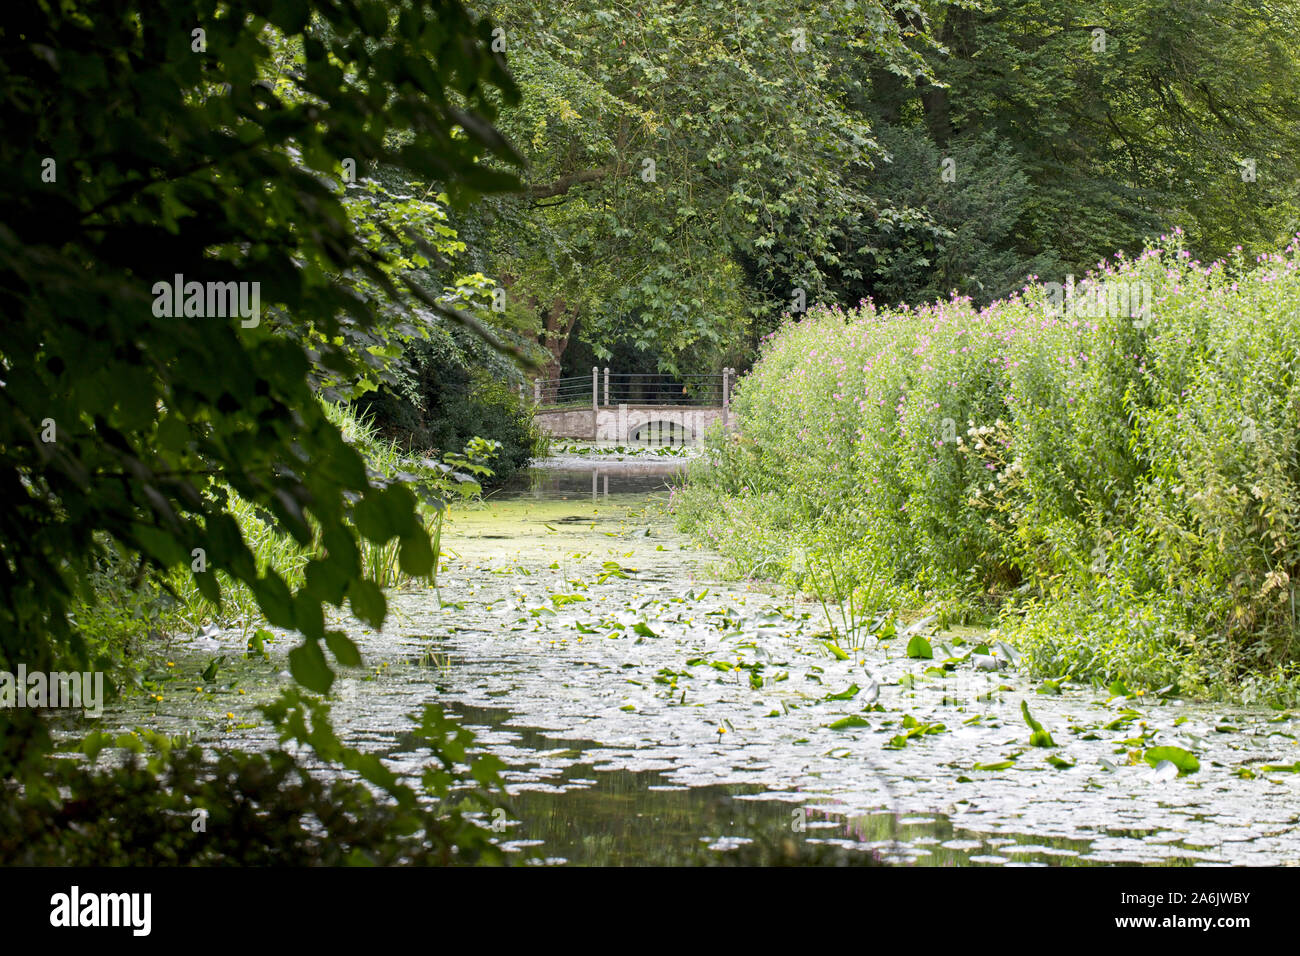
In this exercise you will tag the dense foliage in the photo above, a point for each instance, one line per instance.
(168, 804)
(1075, 129)
(808, 153)
(681, 156)
(147, 145)
(1124, 485)
(452, 390)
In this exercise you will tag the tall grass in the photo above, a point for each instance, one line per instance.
(273, 549)
(1121, 485)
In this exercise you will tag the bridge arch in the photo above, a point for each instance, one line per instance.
(663, 430)
(660, 418)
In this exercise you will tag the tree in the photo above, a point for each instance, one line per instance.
(690, 164)
(1127, 120)
(150, 150)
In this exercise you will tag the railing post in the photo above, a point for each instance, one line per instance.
(537, 392)
(595, 388)
(726, 397)
(607, 386)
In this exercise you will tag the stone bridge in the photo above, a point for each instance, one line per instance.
(652, 410)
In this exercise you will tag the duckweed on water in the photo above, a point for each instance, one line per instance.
(605, 693)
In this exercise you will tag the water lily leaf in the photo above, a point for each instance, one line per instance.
(873, 693)
(918, 646)
(210, 672)
(1039, 737)
(848, 694)
(836, 651)
(1184, 760)
(1000, 765)
(845, 723)
(644, 630)
(1060, 763)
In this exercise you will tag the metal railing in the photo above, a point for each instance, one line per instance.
(605, 388)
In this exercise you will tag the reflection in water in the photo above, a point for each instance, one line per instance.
(662, 433)
(596, 481)
(634, 672)
(567, 808)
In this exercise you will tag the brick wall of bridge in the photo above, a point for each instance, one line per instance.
(618, 423)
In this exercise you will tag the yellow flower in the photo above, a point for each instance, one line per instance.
(229, 715)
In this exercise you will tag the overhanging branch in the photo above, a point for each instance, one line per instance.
(565, 183)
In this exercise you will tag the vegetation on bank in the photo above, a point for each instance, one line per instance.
(405, 198)
(235, 154)
(1118, 485)
(129, 608)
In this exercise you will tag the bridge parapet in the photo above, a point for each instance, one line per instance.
(579, 408)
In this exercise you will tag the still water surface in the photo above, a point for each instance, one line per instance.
(651, 714)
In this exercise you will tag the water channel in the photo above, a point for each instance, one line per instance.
(650, 713)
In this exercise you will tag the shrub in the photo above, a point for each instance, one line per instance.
(161, 803)
(1123, 483)
(445, 398)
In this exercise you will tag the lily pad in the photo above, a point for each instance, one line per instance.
(918, 646)
(1184, 760)
(1039, 737)
(848, 694)
(844, 723)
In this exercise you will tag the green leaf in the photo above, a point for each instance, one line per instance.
(343, 648)
(836, 651)
(846, 722)
(368, 602)
(309, 668)
(1039, 737)
(919, 647)
(847, 694)
(210, 672)
(416, 555)
(1184, 760)
(372, 519)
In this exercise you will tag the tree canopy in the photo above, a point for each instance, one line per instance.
(160, 144)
